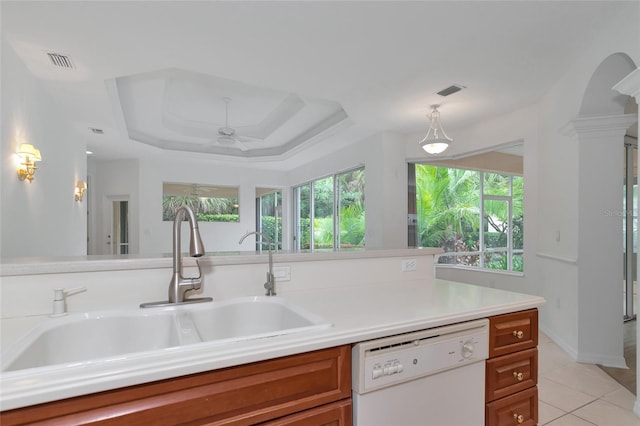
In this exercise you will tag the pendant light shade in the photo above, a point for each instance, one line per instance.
(436, 141)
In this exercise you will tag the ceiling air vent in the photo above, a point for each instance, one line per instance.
(60, 61)
(451, 90)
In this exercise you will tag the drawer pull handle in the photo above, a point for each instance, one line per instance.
(519, 334)
(518, 376)
(518, 417)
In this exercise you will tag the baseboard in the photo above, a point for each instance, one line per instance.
(604, 360)
(587, 358)
(560, 342)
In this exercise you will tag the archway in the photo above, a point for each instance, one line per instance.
(600, 128)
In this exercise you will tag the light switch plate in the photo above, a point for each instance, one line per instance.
(408, 265)
(282, 273)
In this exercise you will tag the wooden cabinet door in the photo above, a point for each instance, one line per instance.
(242, 395)
(514, 332)
(335, 414)
(511, 373)
(520, 409)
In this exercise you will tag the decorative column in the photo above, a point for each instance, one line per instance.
(600, 152)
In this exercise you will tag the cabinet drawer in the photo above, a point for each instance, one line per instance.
(511, 373)
(514, 410)
(514, 332)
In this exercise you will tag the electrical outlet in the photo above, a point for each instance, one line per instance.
(408, 265)
(282, 273)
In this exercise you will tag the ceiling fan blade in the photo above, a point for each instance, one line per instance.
(241, 146)
(226, 140)
(249, 139)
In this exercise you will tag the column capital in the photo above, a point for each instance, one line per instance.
(630, 85)
(602, 126)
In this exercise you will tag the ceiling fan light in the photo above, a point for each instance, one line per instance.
(436, 141)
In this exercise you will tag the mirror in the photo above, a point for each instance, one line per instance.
(139, 182)
(42, 219)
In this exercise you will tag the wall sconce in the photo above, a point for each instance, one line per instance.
(28, 155)
(79, 190)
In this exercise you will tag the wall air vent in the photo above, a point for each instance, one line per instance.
(451, 90)
(60, 61)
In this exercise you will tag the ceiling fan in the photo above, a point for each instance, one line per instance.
(227, 135)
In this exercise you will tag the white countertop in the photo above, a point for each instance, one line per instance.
(358, 313)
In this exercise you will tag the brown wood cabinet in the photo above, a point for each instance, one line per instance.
(335, 414)
(312, 389)
(512, 370)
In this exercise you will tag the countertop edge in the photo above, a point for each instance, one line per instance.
(199, 359)
(42, 265)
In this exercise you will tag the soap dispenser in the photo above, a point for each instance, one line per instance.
(60, 299)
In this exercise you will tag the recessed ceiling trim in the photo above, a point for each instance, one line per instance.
(325, 125)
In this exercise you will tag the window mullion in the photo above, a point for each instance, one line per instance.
(510, 236)
(510, 225)
(336, 217)
(481, 236)
(312, 208)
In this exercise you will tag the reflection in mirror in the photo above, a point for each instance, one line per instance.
(269, 217)
(119, 237)
(210, 203)
(330, 212)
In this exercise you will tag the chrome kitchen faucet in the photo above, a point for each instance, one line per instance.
(270, 285)
(179, 285)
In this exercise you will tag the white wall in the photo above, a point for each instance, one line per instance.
(40, 218)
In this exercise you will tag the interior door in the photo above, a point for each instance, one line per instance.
(117, 232)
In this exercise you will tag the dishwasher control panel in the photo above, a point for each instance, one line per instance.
(396, 359)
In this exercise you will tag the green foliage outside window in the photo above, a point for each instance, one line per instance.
(343, 192)
(448, 210)
(272, 231)
(206, 209)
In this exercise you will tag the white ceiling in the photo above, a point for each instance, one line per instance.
(156, 71)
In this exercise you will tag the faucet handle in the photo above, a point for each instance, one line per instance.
(59, 299)
(199, 271)
(195, 283)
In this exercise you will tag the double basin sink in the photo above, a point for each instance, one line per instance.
(109, 335)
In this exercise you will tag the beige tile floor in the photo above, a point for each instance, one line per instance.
(574, 394)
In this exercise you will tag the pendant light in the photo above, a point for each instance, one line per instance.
(436, 141)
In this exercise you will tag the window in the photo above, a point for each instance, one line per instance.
(210, 203)
(329, 212)
(269, 216)
(450, 203)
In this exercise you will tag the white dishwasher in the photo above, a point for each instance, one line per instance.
(430, 377)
